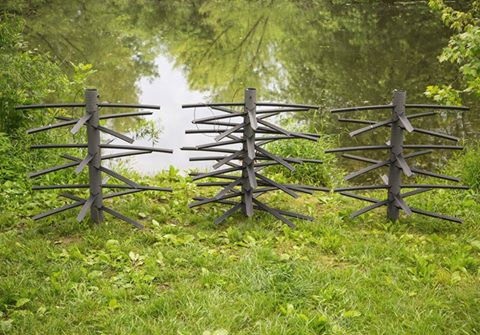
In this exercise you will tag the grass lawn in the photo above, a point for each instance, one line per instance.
(184, 275)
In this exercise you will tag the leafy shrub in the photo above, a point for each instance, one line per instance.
(463, 49)
(470, 165)
(27, 76)
(325, 174)
(24, 76)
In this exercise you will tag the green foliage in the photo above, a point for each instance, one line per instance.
(324, 174)
(13, 167)
(25, 75)
(183, 275)
(469, 165)
(146, 129)
(9, 170)
(463, 50)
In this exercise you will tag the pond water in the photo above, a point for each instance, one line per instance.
(327, 53)
(170, 90)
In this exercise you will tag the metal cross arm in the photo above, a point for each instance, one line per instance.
(285, 105)
(53, 126)
(217, 117)
(436, 134)
(116, 134)
(78, 124)
(276, 158)
(274, 127)
(370, 127)
(106, 146)
(411, 116)
(52, 169)
(217, 104)
(402, 117)
(227, 132)
(401, 163)
(120, 115)
(413, 209)
(360, 108)
(285, 110)
(378, 164)
(131, 147)
(432, 146)
(58, 210)
(138, 106)
(360, 148)
(43, 106)
(82, 121)
(430, 106)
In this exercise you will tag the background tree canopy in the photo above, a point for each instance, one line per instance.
(463, 50)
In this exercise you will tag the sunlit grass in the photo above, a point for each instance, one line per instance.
(184, 275)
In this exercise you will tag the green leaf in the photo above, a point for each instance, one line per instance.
(113, 304)
(110, 244)
(351, 314)
(21, 302)
(475, 244)
(41, 310)
(133, 256)
(5, 325)
(220, 332)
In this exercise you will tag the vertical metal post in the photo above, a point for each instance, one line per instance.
(248, 171)
(396, 141)
(93, 137)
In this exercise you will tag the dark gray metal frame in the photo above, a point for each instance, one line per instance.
(93, 159)
(397, 161)
(252, 132)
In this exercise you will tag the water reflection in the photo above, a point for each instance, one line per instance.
(170, 90)
(329, 53)
(110, 35)
(320, 53)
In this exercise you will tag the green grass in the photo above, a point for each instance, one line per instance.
(184, 275)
